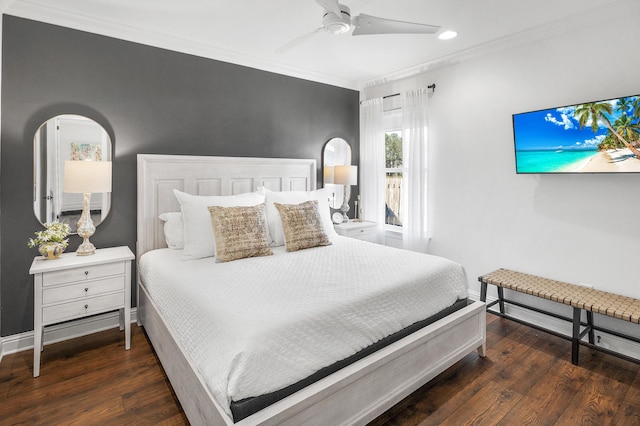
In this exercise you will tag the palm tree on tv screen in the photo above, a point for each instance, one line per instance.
(597, 112)
(623, 105)
(609, 142)
(635, 104)
(626, 127)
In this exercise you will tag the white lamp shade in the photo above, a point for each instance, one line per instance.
(328, 174)
(345, 175)
(87, 176)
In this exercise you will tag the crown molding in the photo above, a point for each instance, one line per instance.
(4, 5)
(52, 15)
(593, 17)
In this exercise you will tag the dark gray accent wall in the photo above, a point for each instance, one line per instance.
(150, 100)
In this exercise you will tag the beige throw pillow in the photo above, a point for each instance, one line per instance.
(239, 232)
(294, 197)
(302, 225)
(198, 234)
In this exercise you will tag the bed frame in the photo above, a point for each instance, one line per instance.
(355, 394)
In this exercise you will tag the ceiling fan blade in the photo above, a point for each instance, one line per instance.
(297, 41)
(330, 6)
(367, 25)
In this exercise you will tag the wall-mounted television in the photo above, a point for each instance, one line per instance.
(593, 137)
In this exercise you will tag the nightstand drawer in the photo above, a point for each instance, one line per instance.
(360, 232)
(365, 230)
(82, 290)
(83, 274)
(93, 305)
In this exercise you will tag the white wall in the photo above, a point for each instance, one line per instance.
(576, 228)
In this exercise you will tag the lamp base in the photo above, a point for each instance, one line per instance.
(345, 203)
(86, 248)
(86, 228)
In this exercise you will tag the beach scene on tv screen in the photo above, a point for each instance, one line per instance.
(596, 137)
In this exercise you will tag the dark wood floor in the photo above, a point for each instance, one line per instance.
(526, 378)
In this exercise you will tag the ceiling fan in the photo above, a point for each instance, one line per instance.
(337, 20)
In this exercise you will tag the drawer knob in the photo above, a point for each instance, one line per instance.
(86, 306)
(86, 289)
(86, 272)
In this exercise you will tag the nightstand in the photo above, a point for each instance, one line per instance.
(359, 230)
(73, 287)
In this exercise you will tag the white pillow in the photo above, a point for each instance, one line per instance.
(295, 197)
(173, 230)
(198, 232)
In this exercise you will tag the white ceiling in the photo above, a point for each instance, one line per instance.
(250, 32)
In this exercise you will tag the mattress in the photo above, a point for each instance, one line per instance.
(246, 407)
(255, 326)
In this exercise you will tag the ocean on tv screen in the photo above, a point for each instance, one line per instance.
(594, 137)
(553, 161)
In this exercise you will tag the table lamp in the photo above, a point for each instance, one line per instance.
(328, 174)
(87, 177)
(347, 176)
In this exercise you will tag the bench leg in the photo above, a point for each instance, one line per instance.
(483, 291)
(501, 298)
(590, 323)
(575, 340)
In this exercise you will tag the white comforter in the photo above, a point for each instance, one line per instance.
(256, 325)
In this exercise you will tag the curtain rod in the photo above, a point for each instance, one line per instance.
(431, 86)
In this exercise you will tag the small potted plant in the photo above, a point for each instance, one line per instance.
(52, 241)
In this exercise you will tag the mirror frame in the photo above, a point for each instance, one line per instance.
(59, 138)
(336, 152)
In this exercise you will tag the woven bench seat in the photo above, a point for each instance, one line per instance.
(578, 297)
(598, 301)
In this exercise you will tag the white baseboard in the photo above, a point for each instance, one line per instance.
(59, 332)
(604, 340)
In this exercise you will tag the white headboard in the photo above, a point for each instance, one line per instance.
(159, 175)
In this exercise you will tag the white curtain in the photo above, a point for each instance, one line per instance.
(372, 163)
(414, 187)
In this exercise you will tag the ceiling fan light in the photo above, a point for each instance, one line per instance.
(337, 28)
(448, 35)
(335, 24)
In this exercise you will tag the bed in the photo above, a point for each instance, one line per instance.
(353, 392)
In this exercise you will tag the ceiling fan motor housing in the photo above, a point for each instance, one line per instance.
(335, 24)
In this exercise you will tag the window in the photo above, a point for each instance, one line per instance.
(394, 158)
(393, 181)
(394, 168)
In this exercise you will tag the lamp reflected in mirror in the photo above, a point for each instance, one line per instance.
(61, 138)
(328, 174)
(336, 152)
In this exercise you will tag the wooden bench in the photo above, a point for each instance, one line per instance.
(578, 297)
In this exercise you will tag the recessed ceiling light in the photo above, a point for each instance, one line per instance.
(448, 35)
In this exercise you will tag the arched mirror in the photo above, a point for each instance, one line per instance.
(337, 152)
(62, 138)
